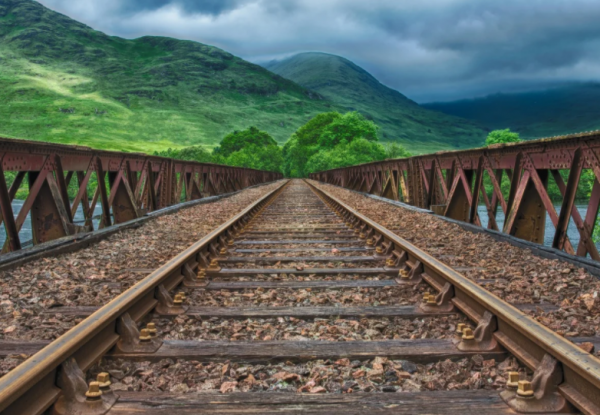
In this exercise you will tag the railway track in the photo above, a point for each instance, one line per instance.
(299, 304)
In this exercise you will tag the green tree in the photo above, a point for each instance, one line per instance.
(502, 137)
(193, 153)
(395, 151)
(324, 134)
(237, 140)
(257, 157)
(359, 151)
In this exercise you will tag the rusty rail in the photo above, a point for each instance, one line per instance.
(34, 385)
(576, 374)
(451, 184)
(128, 186)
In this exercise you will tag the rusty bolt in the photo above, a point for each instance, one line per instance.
(431, 300)
(370, 242)
(403, 274)
(94, 392)
(390, 262)
(362, 235)
(103, 380)
(513, 380)
(201, 274)
(460, 327)
(182, 295)
(178, 300)
(426, 296)
(379, 249)
(223, 251)
(525, 389)
(151, 327)
(145, 335)
(468, 334)
(230, 242)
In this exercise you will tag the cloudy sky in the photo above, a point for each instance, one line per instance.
(427, 49)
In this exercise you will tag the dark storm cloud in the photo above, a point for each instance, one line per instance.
(428, 49)
(211, 7)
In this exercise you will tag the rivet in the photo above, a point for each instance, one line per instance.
(94, 392)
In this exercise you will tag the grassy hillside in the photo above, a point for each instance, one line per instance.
(400, 119)
(64, 82)
(557, 111)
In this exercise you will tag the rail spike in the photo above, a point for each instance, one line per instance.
(73, 400)
(541, 394)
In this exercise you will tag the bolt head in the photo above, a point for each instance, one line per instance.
(513, 380)
(460, 327)
(145, 335)
(468, 334)
(103, 380)
(431, 300)
(525, 389)
(94, 391)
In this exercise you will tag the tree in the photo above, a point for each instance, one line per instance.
(324, 134)
(193, 153)
(502, 137)
(237, 140)
(395, 151)
(346, 154)
(257, 157)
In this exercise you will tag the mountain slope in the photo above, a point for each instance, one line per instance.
(400, 119)
(62, 81)
(557, 111)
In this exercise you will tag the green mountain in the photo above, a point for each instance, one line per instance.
(64, 82)
(400, 118)
(562, 110)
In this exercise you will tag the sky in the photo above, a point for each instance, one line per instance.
(430, 50)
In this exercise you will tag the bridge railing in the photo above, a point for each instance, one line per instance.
(124, 185)
(451, 184)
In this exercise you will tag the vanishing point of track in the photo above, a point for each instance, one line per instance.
(288, 240)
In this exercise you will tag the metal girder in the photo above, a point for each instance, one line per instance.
(453, 182)
(128, 186)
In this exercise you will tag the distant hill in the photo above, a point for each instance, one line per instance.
(64, 82)
(557, 111)
(400, 118)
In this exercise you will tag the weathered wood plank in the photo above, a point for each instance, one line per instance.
(469, 402)
(235, 272)
(273, 312)
(276, 259)
(300, 241)
(242, 285)
(418, 351)
(278, 250)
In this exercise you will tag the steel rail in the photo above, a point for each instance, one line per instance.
(521, 335)
(31, 387)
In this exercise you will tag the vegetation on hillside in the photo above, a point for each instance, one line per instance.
(63, 82)
(399, 118)
(561, 110)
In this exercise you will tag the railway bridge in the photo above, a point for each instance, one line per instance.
(459, 282)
